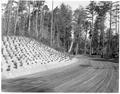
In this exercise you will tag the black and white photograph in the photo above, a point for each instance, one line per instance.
(60, 46)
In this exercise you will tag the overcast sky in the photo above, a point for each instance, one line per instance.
(73, 3)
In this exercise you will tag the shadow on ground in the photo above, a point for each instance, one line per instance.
(106, 60)
(26, 85)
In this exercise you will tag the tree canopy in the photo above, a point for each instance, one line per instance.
(34, 18)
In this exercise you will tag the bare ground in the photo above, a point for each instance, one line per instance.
(86, 75)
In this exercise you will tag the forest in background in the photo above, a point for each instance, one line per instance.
(82, 31)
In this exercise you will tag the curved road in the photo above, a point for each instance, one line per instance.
(87, 75)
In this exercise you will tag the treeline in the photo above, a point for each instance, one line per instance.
(80, 31)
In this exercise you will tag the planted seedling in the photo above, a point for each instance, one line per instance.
(8, 69)
(21, 64)
(15, 65)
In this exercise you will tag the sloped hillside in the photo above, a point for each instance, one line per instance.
(22, 56)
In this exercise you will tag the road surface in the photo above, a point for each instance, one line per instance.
(87, 75)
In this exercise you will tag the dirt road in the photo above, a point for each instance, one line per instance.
(87, 75)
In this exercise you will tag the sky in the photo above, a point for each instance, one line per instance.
(72, 3)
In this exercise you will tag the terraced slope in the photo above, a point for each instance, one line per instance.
(21, 56)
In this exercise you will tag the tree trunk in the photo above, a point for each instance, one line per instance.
(8, 22)
(71, 46)
(102, 30)
(118, 24)
(37, 24)
(53, 34)
(52, 26)
(64, 39)
(58, 37)
(91, 36)
(29, 19)
(76, 49)
(108, 54)
(91, 46)
(85, 43)
(41, 25)
(117, 19)
(9, 16)
(16, 19)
